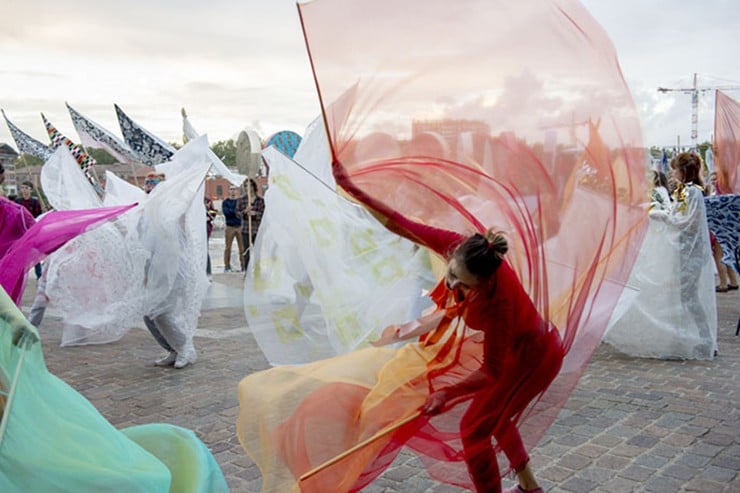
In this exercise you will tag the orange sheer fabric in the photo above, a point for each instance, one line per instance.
(461, 116)
(727, 143)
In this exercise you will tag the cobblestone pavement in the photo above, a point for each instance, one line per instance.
(630, 425)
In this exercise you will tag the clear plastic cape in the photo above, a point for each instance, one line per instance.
(327, 276)
(150, 262)
(52, 439)
(674, 314)
(511, 115)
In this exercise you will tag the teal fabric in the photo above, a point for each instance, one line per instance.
(54, 440)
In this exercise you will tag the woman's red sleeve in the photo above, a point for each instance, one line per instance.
(438, 240)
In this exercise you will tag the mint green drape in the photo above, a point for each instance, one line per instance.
(54, 440)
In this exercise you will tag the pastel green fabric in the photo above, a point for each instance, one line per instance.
(52, 439)
(193, 467)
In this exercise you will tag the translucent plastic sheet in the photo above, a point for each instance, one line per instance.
(327, 276)
(674, 314)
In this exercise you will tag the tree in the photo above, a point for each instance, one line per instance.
(26, 159)
(101, 156)
(226, 150)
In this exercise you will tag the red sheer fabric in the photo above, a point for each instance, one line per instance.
(459, 116)
(727, 143)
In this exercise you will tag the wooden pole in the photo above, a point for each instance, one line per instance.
(249, 215)
(364, 443)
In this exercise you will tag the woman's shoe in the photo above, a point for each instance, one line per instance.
(722, 290)
(730, 287)
(168, 360)
(185, 358)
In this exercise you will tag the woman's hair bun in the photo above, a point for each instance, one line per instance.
(497, 242)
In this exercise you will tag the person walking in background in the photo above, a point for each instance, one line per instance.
(251, 208)
(233, 226)
(32, 205)
(211, 212)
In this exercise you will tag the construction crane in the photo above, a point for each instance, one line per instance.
(694, 91)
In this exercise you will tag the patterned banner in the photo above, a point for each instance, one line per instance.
(85, 161)
(27, 144)
(150, 149)
(723, 218)
(93, 135)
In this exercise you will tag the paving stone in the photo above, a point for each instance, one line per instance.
(578, 485)
(662, 484)
(637, 473)
(651, 461)
(680, 471)
(693, 460)
(574, 461)
(643, 441)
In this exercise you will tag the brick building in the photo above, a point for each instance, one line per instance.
(8, 157)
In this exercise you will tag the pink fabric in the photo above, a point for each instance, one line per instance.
(727, 143)
(21, 251)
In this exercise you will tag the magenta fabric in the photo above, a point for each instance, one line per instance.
(14, 221)
(27, 242)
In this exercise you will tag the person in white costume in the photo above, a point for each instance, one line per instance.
(674, 312)
(150, 264)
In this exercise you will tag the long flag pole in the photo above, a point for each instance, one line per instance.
(364, 443)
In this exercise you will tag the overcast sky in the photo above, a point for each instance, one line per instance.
(242, 63)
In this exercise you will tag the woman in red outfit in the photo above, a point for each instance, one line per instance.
(522, 353)
(521, 356)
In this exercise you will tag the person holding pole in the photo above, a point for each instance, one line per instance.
(250, 207)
